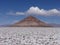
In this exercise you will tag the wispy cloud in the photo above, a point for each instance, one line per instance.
(20, 13)
(37, 11)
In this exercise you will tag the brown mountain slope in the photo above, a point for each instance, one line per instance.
(30, 21)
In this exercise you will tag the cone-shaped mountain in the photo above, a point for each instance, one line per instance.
(30, 21)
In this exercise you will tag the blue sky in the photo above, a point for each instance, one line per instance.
(12, 11)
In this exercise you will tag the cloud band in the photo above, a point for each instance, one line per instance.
(37, 11)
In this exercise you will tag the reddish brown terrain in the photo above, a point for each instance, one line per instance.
(30, 21)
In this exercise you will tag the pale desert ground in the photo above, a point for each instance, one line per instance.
(29, 36)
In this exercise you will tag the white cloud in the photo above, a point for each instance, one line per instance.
(20, 13)
(38, 11)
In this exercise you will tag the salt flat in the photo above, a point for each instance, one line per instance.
(29, 36)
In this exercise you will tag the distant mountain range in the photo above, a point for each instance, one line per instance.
(55, 25)
(31, 21)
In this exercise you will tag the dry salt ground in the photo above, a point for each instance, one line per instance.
(29, 36)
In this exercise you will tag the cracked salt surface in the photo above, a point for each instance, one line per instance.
(29, 36)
